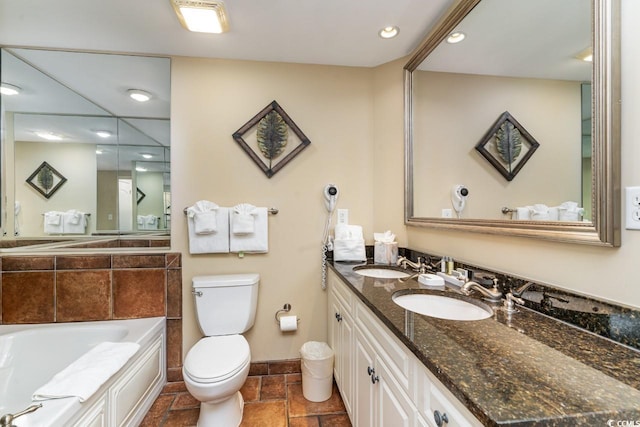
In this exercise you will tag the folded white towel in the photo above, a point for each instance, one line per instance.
(84, 377)
(348, 232)
(216, 242)
(243, 219)
(74, 222)
(258, 241)
(523, 213)
(349, 250)
(53, 222)
(204, 214)
(540, 212)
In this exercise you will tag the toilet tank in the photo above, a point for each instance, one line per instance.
(226, 304)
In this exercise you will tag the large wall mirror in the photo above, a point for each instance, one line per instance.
(526, 58)
(82, 159)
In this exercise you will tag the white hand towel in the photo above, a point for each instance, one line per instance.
(217, 242)
(569, 211)
(349, 250)
(540, 212)
(53, 222)
(204, 214)
(523, 213)
(140, 221)
(347, 232)
(243, 219)
(84, 377)
(74, 222)
(256, 242)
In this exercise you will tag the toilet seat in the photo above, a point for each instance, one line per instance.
(215, 359)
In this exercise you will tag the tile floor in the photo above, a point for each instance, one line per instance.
(272, 395)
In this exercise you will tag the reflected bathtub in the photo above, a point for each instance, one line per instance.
(31, 354)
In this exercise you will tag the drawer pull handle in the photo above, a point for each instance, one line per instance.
(370, 370)
(440, 419)
(338, 317)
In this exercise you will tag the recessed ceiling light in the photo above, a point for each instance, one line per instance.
(202, 16)
(586, 55)
(9, 89)
(140, 169)
(139, 95)
(389, 32)
(147, 155)
(456, 37)
(102, 133)
(98, 151)
(49, 136)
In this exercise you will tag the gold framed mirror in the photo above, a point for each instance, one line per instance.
(596, 184)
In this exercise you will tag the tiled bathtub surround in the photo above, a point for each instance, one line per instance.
(80, 288)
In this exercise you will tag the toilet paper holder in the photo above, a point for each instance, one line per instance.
(285, 309)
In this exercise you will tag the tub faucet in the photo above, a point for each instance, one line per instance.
(7, 419)
(492, 294)
(420, 266)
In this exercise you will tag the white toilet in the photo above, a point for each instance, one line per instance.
(217, 366)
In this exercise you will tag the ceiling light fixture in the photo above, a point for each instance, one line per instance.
(49, 136)
(140, 169)
(389, 32)
(139, 95)
(456, 37)
(9, 89)
(102, 133)
(202, 16)
(146, 155)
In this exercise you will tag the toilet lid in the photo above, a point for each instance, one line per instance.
(215, 359)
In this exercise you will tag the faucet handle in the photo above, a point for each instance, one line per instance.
(510, 302)
(7, 419)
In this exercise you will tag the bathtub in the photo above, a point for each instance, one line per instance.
(31, 354)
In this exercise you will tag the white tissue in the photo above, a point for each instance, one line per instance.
(386, 237)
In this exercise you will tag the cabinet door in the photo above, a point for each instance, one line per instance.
(393, 407)
(340, 333)
(364, 397)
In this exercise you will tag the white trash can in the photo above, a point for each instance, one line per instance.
(317, 371)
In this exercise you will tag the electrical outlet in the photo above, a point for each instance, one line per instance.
(632, 208)
(343, 216)
(447, 213)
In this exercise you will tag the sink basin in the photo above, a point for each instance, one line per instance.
(381, 273)
(442, 307)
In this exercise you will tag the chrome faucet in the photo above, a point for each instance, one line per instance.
(420, 266)
(520, 290)
(492, 294)
(7, 419)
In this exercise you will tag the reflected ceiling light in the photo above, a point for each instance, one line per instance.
(456, 37)
(389, 32)
(140, 169)
(49, 136)
(586, 55)
(102, 133)
(202, 16)
(139, 95)
(9, 89)
(98, 151)
(147, 155)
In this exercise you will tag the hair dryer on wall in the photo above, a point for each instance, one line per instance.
(459, 194)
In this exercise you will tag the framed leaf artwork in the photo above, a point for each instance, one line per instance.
(507, 146)
(46, 180)
(271, 139)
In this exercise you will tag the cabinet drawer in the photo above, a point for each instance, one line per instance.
(392, 351)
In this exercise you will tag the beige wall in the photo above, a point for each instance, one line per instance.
(354, 118)
(333, 106)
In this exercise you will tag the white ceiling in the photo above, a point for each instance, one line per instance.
(335, 32)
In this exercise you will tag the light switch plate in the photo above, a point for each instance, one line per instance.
(632, 208)
(343, 216)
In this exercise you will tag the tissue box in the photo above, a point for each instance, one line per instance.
(385, 253)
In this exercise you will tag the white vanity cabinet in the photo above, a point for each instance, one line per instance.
(381, 382)
(340, 337)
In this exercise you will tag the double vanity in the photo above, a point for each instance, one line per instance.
(394, 366)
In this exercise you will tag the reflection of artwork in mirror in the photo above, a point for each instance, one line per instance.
(46, 180)
(268, 133)
(507, 146)
(140, 195)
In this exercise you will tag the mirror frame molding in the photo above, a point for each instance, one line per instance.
(604, 230)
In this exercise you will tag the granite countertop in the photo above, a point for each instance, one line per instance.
(519, 369)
